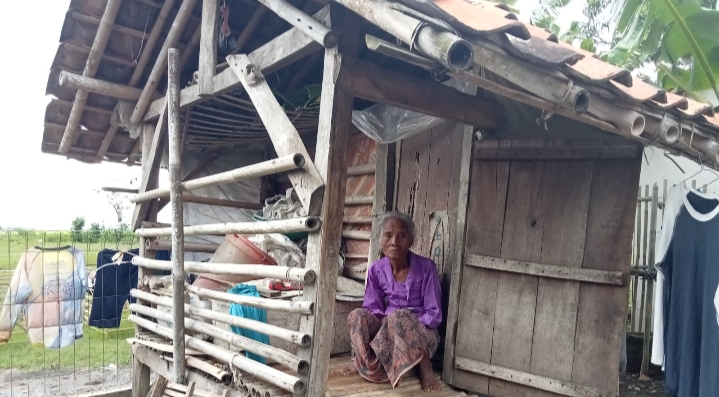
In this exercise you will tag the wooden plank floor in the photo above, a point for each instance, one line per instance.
(341, 385)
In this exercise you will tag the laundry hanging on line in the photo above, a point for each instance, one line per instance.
(686, 304)
(48, 286)
(113, 282)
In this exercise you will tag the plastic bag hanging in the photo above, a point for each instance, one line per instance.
(387, 124)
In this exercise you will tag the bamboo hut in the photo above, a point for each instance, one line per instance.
(523, 183)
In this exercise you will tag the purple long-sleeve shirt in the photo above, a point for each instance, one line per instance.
(421, 292)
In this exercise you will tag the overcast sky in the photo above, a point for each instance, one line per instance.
(45, 191)
(39, 190)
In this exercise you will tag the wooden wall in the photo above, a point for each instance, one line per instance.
(564, 213)
(426, 189)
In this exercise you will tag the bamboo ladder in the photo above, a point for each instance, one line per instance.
(309, 185)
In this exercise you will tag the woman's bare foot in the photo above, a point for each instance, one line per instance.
(430, 383)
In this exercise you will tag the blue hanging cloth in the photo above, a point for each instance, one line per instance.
(251, 313)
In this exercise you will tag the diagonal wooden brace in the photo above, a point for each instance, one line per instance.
(308, 182)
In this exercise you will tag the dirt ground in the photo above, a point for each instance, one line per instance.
(631, 386)
(62, 383)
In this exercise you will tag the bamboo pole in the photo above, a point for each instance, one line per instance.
(359, 200)
(301, 307)
(357, 235)
(443, 47)
(305, 276)
(282, 164)
(294, 337)
(93, 63)
(646, 348)
(293, 225)
(178, 238)
(102, 87)
(366, 169)
(352, 220)
(188, 246)
(269, 374)
(287, 359)
(305, 23)
(173, 36)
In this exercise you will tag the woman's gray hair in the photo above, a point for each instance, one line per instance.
(400, 216)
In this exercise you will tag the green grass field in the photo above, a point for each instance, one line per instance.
(97, 348)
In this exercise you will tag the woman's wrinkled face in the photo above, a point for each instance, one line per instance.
(396, 240)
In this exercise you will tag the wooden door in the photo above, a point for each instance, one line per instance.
(543, 287)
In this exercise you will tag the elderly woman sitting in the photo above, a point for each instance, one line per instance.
(396, 329)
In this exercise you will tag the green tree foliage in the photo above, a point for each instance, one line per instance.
(676, 40)
(77, 225)
(680, 37)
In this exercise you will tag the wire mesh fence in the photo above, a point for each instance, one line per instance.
(47, 345)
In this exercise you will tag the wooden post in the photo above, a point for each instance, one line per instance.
(178, 237)
(153, 146)
(91, 66)
(285, 138)
(465, 176)
(140, 371)
(208, 46)
(645, 253)
(637, 249)
(383, 193)
(646, 348)
(330, 159)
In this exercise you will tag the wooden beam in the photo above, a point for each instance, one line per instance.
(535, 381)
(147, 50)
(460, 231)
(150, 358)
(173, 36)
(208, 46)
(309, 184)
(151, 156)
(277, 53)
(93, 63)
(376, 84)
(102, 87)
(627, 151)
(333, 132)
(306, 24)
(550, 271)
(384, 184)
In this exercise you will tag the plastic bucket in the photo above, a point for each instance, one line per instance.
(237, 249)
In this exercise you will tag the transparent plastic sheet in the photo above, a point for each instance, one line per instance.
(387, 124)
